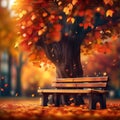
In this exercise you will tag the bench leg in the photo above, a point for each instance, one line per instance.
(94, 98)
(66, 99)
(92, 104)
(101, 98)
(57, 100)
(44, 99)
(79, 100)
(103, 101)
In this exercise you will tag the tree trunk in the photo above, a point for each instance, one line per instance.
(66, 57)
(8, 90)
(18, 83)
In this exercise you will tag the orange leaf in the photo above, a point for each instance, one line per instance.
(97, 35)
(35, 39)
(44, 14)
(36, 63)
(32, 57)
(74, 2)
(70, 20)
(109, 13)
(57, 27)
(81, 13)
(86, 25)
(89, 13)
(114, 37)
(101, 10)
(110, 2)
(29, 31)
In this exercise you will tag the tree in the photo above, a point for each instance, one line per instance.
(8, 37)
(59, 27)
(6, 41)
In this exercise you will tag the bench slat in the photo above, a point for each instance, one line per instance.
(63, 91)
(80, 85)
(83, 79)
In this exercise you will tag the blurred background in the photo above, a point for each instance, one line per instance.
(19, 77)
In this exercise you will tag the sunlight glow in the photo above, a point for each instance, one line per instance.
(4, 3)
(11, 2)
(7, 3)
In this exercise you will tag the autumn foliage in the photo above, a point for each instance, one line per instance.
(48, 18)
(7, 31)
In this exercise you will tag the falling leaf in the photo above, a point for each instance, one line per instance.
(30, 43)
(70, 6)
(29, 8)
(109, 13)
(32, 57)
(29, 31)
(66, 10)
(71, 20)
(86, 25)
(114, 37)
(35, 39)
(60, 17)
(29, 23)
(59, 3)
(110, 2)
(44, 14)
(99, 41)
(24, 35)
(81, 13)
(57, 27)
(40, 32)
(98, 9)
(24, 12)
(89, 13)
(21, 15)
(97, 35)
(101, 10)
(74, 2)
(33, 17)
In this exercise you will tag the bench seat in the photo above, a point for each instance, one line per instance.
(71, 91)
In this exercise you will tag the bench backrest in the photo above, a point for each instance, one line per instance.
(82, 82)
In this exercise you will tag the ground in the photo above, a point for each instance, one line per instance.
(29, 108)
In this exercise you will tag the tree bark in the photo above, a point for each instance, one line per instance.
(66, 57)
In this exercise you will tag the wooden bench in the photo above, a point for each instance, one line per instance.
(95, 88)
